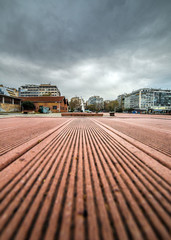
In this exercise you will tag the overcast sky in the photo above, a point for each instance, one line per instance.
(86, 47)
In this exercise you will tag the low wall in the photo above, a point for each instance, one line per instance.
(5, 107)
(81, 114)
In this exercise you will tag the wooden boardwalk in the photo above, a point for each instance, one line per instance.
(85, 180)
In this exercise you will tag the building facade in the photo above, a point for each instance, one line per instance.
(148, 99)
(12, 92)
(55, 104)
(39, 90)
(9, 104)
(121, 100)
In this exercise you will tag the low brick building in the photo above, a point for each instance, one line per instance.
(9, 104)
(55, 104)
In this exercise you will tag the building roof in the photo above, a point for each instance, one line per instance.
(47, 85)
(3, 95)
(45, 99)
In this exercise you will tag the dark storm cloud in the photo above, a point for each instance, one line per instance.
(86, 47)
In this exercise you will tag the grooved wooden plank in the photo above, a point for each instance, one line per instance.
(89, 198)
(103, 219)
(162, 163)
(80, 211)
(12, 155)
(122, 173)
(55, 218)
(39, 203)
(49, 201)
(110, 204)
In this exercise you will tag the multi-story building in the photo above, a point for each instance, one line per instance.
(12, 92)
(39, 90)
(121, 100)
(148, 99)
(48, 89)
(29, 90)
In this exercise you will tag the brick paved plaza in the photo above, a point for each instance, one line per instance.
(85, 178)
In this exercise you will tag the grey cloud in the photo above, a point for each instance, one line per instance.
(86, 47)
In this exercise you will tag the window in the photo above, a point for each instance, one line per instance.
(54, 107)
(8, 100)
(16, 101)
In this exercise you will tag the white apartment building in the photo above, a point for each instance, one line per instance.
(148, 98)
(32, 90)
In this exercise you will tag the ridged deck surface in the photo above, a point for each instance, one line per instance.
(85, 180)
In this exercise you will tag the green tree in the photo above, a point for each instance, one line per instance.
(111, 106)
(75, 105)
(27, 105)
(95, 107)
(91, 107)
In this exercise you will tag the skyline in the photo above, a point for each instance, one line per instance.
(86, 48)
(80, 97)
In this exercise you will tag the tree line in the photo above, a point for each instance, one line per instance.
(75, 105)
